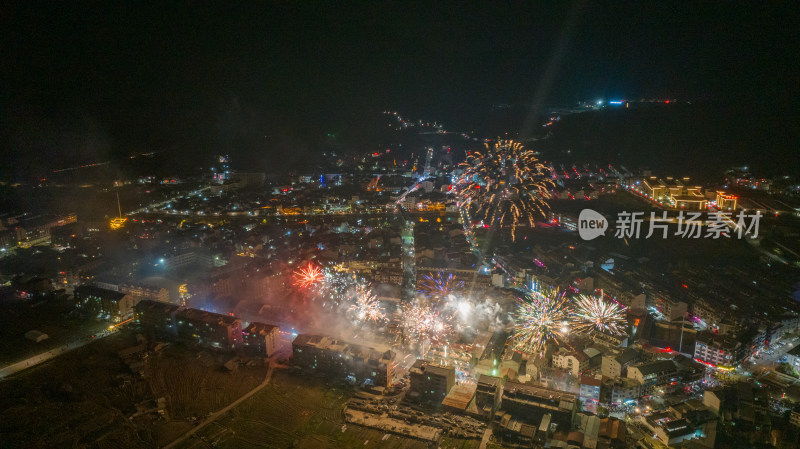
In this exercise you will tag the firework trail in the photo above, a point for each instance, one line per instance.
(308, 276)
(598, 315)
(541, 318)
(505, 185)
(439, 284)
(366, 307)
(445, 294)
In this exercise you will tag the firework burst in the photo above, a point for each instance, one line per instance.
(366, 307)
(505, 185)
(308, 276)
(540, 318)
(439, 284)
(598, 315)
(336, 286)
(420, 323)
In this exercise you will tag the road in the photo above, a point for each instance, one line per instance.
(146, 209)
(766, 361)
(45, 356)
(409, 261)
(636, 430)
(211, 418)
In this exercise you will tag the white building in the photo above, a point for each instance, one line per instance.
(573, 361)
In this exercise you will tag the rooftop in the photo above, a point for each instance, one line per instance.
(489, 380)
(331, 344)
(150, 305)
(260, 328)
(206, 317)
(460, 396)
(658, 366)
(591, 380)
(421, 366)
(91, 290)
(591, 352)
(539, 392)
(678, 427)
(626, 355)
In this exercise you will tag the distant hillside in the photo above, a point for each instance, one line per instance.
(700, 141)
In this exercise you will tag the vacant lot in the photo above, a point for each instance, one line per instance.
(90, 398)
(300, 412)
(54, 316)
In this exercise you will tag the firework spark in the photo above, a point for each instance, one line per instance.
(366, 306)
(596, 314)
(440, 284)
(309, 276)
(336, 285)
(505, 185)
(541, 318)
(420, 323)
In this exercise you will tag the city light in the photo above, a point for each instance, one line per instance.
(302, 262)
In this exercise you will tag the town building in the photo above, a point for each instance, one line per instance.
(590, 388)
(566, 221)
(616, 365)
(710, 313)
(713, 399)
(690, 371)
(487, 394)
(654, 375)
(726, 201)
(430, 383)
(554, 378)
(36, 230)
(575, 362)
(340, 359)
(156, 317)
(262, 339)
(208, 328)
(687, 420)
(669, 431)
(673, 193)
(671, 309)
(530, 403)
(592, 433)
(114, 306)
(141, 292)
(718, 350)
(511, 363)
(794, 416)
(793, 357)
(624, 389)
(461, 399)
(194, 257)
(27, 286)
(742, 412)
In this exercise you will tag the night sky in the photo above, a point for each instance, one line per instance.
(92, 81)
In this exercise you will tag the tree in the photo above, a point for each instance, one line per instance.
(787, 369)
